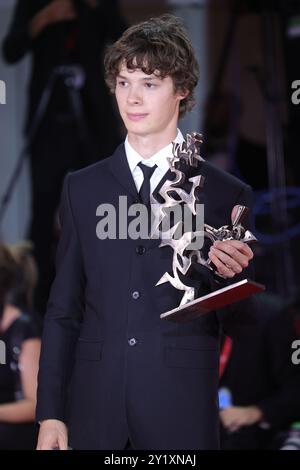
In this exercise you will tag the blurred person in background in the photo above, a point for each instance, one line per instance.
(76, 125)
(20, 334)
(259, 383)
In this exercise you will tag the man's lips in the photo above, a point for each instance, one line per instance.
(136, 116)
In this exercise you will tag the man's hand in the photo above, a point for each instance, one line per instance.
(235, 417)
(53, 434)
(230, 257)
(57, 10)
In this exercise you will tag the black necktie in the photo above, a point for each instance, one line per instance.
(144, 192)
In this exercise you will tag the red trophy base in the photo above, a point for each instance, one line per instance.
(213, 301)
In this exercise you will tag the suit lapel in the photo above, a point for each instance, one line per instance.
(167, 176)
(121, 171)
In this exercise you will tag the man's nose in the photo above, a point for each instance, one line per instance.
(134, 95)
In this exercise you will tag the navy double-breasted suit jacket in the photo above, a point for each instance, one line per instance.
(110, 367)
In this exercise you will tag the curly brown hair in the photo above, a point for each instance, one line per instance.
(158, 44)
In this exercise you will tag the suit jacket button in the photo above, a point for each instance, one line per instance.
(132, 342)
(136, 295)
(140, 250)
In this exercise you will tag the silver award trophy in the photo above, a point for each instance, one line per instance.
(186, 191)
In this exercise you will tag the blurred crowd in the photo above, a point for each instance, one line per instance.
(20, 334)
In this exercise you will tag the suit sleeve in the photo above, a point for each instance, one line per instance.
(63, 318)
(18, 41)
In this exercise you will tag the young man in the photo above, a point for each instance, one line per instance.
(111, 370)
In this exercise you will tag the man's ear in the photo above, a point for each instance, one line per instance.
(183, 94)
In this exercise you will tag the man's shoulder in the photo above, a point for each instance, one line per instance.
(93, 173)
(90, 172)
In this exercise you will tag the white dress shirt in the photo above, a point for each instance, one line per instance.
(159, 159)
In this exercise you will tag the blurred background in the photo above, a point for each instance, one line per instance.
(56, 115)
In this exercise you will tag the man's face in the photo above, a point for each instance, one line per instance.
(148, 104)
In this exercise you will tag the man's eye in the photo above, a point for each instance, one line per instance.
(122, 83)
(150, 85)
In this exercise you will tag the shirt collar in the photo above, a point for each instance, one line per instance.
(159, 158)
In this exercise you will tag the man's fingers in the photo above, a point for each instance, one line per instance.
(53, 434)
(62, 443)
(237, 245)
(47, 445)
(238, 252)
(221, 268)
(231, 419)
(226, 259)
